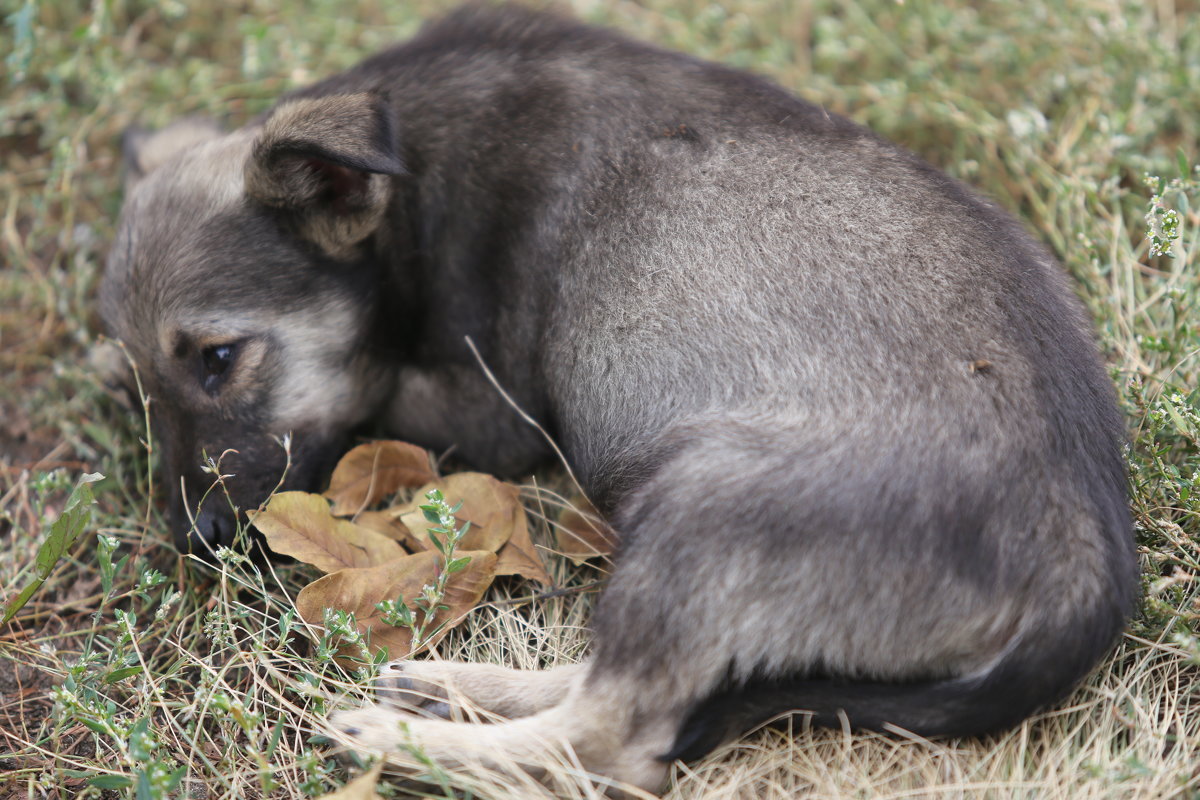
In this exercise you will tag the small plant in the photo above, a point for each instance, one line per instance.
(1167, 482)
(111, 659)
(429, 603)
(64, 531)
(1163, 220)
(340, 635)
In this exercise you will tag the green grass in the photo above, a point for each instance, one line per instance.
(130, 667)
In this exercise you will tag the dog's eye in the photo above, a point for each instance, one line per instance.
(216, 361)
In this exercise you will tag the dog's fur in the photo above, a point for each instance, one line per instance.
(846, 415)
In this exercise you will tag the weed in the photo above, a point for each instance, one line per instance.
(445, 538)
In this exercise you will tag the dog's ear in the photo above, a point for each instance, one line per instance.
(145, 150)
(326, 160)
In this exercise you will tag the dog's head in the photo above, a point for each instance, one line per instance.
(243, 285)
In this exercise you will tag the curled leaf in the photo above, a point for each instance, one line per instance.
(582, 533)
(497, 518)
(372, 471)
(383, 522)
(520, 557)
(490, 505)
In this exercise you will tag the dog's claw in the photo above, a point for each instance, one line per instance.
(396, 688)
(439, 709)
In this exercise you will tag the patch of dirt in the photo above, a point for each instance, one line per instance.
(24, 447)
(24, 695)
(24, 444)
(25, 709)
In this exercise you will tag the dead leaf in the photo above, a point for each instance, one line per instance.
(300, 525)
(382, 522)
(489, 504)
(497, 517)
(582, 533)
(361, 788)
(520, 557)
(358, 590)
(372, 471)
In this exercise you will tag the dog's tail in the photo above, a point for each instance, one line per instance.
(1037, 670)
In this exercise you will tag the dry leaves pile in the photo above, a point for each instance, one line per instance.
(373, 556)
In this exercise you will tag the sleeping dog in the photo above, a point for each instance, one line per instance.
(845, 414)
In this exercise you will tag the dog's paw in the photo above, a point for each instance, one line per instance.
(400, 684)
(407, 740)
(457, 690)
(372, 727)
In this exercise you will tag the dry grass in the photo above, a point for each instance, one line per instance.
(1054, 107)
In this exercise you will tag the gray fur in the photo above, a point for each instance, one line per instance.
(846, 414)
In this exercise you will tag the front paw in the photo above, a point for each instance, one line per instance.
(399, 686)
(372, 727)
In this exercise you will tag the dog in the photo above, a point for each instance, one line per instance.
(846, 415)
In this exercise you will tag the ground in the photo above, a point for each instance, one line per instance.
(129, 672)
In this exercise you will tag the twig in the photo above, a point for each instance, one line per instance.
(552, 593)
(520, 411)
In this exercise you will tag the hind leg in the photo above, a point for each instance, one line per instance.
(440, 686)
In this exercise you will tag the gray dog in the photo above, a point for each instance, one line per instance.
(845, 414)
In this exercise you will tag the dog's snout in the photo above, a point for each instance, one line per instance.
(206, 516)
(210, 529)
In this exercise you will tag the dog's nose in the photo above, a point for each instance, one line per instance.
(211, 531)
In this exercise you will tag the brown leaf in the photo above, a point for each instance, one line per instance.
(498, 522)
(300, 525)
(361, 788)
(382, 522)
(490, 505)
(358, 590)
(582, 533)
(372, 471)
(520, 557)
